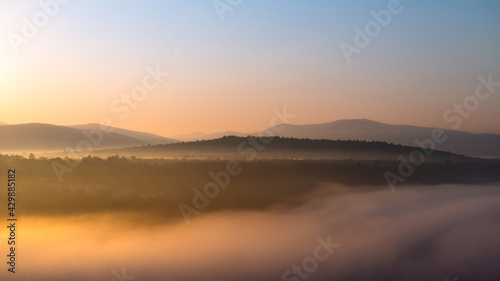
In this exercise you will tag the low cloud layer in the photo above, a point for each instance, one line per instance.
(415, 233)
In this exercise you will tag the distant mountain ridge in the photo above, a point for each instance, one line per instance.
(477, 145)
(146, 137)
(45, 137)
(202, 136)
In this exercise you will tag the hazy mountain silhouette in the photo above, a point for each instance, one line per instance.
(279, 147)
(483, 145)
(2, 123)
(202, 136)
(480, 145)
(146, 137)
(45, 137)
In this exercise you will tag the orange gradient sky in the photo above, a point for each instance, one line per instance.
(230, 74)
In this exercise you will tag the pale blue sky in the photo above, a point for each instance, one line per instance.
(264, 54)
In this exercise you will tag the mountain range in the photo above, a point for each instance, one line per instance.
(147, 138)
(477, 145)
(45, 137)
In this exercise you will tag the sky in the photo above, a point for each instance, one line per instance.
(78, 62)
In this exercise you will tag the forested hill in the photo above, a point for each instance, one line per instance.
(233, 146)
